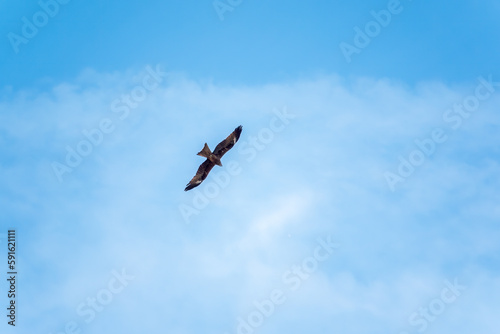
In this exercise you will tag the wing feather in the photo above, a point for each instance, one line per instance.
(201, 174)
(228, 143)
(207, 165)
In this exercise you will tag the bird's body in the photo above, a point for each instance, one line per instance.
(213, 158)
(205, 152)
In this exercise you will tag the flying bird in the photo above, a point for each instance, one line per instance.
(213, 158)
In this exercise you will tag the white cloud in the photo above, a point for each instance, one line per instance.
(323, 174)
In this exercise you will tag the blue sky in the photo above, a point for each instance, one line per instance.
(257, 41)
(362, 196)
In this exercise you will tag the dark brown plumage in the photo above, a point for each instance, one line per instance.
(213, 158)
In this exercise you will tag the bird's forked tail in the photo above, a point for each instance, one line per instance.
(205, 152)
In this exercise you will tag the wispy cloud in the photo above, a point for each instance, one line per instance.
(322, 175)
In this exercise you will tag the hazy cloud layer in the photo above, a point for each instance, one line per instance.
(312, 162)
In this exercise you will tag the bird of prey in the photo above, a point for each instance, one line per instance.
(213, 158)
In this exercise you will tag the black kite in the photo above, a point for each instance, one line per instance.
(213, 158)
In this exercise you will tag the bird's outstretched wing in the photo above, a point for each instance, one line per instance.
(201, 175)
(228, 143)
(219, 151)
